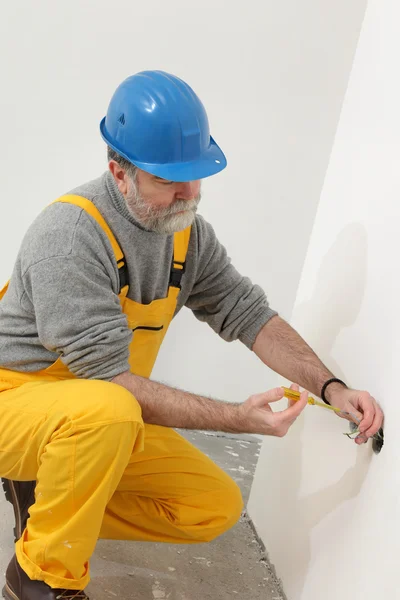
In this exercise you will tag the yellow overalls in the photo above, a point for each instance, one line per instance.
(100, 471)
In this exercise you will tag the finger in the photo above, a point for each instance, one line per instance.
(274, 395)
(376, 423)
(295, 388)
(367, 405)
(354, 416)
(291, 413)
(361, 439)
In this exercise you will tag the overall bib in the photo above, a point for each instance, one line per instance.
(100, 471)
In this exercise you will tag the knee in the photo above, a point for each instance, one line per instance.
(226, 503)
(231, 505)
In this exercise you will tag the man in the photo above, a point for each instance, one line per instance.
(99, 277)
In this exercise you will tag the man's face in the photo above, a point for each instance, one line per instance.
(160, 205)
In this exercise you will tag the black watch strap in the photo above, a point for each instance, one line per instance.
(333, 380)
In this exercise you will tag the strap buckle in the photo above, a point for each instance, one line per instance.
(176, 274)
(123, 275)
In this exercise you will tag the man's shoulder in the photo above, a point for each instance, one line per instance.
(60, 230)
(52, 232)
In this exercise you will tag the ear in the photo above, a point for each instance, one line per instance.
(120, 176)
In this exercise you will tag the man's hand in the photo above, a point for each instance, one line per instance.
(256, 416)
(281, 348)
(166, 406)
(360, 404)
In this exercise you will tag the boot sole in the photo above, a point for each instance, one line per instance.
(8, 594)
(11, 496)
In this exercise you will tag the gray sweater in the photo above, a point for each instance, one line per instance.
(63, 294)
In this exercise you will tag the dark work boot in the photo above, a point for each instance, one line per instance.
(21, 494)
(20, 587)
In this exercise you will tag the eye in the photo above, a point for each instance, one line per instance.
(163, 181)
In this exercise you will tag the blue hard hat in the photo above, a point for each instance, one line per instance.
(157, 122)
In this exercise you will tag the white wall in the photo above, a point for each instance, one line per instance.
(272, 77)
(327, 510)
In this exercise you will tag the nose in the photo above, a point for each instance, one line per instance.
(187, 190)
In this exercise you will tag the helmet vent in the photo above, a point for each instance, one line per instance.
(122, 119)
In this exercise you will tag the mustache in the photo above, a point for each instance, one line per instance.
(178, 206)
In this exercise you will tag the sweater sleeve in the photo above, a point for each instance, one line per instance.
(70, 286)
(229, 302)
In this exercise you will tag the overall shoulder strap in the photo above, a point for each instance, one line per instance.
(181, 245)
(91, 209)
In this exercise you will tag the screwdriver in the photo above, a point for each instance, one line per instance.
(293, 395)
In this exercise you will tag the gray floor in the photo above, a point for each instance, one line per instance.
(234, 566)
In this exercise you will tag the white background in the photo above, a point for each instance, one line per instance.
(272, 77)
(329, 511)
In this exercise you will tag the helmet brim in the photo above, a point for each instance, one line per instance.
(211, 162)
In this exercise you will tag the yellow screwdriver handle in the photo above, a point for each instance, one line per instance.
(293, 395)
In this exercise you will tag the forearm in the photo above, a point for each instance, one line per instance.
(282, 349)
(163, 405)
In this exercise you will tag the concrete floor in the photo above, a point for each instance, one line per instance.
(233, 566)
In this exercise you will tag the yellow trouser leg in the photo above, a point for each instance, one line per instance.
(171, 492)
(75, 438)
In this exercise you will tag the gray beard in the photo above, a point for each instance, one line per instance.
(165, 219)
